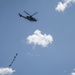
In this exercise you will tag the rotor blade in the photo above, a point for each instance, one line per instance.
(13, 60)
(10, 65)
(27, 13)
(34, 13)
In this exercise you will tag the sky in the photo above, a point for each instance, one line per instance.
(45, 47)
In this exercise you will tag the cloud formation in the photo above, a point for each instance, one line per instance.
(73, 73)
(39, 39)
(62, 6)
(4, 71)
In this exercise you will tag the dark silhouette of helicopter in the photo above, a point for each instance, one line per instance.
(29, 17)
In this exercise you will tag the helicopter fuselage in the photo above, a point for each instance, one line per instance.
(30, 18)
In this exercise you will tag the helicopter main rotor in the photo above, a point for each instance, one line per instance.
(29, 14)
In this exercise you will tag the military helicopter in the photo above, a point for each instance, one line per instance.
(29, 17)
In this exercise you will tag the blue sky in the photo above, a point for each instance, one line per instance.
(56, 18)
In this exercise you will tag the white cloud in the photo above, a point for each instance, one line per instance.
(73, 73)
(4, 71)
(62, 6)
(39, 39)
(74, 69)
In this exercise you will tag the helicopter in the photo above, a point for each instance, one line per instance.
(29, 17)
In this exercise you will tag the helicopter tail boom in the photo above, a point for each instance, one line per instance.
(20, 15)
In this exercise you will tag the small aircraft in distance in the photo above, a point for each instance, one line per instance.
(29, 17)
